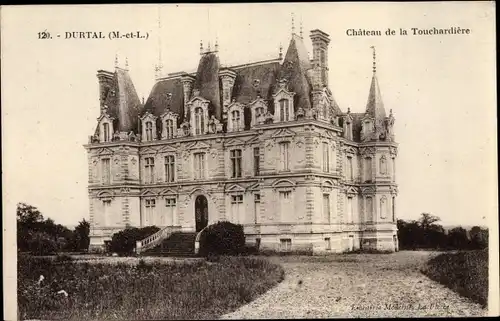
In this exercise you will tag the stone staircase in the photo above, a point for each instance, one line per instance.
(179, 244)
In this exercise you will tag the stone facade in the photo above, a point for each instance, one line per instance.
(272, 154)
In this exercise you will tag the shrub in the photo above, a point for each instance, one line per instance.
(63, 258)
(222, 238)
(464, 272)
(124, 241)
(42, 243)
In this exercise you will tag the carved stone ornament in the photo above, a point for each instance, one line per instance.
(366, 151)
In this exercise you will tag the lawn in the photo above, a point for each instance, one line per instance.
(73, 290)
(464, 272)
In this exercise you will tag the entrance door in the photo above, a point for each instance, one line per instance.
(201, 212)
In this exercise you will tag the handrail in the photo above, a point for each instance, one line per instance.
(156, 238)
(197, 240)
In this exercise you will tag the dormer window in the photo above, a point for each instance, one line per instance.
(258, 109)
(283, 102)
(235, 119)
(149, 131)
(105, 127)
(148, 127)
(198, 121)
(169, 128)
(106, 133)
(169, 120)
(284, 110)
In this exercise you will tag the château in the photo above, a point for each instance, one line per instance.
(262, 144)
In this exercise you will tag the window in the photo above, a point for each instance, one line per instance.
(198, 121)
(258, 112)
(285, 203)
(106, 133)
(169, 127)
(284, 156)
(350, 174)
(325, 112)
(106, 170)
(256, 200)
(284, 110)
(171, 207)
(235, 120)
(169, 168)
(199, 165)
(149, 176)
(368, 169)
(326, 158)
(106, 204)
(237, 209)
(149, 131)
(349, 210)
(149, 217)
(236, 163)
(285, 245)
(369, 209)
(328, 244)
(326, 208)
(256, 161)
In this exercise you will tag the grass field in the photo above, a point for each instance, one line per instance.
(464, 272)
(126, 291)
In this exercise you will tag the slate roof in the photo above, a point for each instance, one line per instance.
(123, 102)
(374, 105)
(207, 82)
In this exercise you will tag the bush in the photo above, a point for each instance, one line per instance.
(42, 243)
(124, 241)
(222, 238)
(464, 272)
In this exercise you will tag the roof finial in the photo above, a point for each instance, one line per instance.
(208, 49)
(374, 60)
(116, 60)
(293, 24)
(143, 100)
(216, 44)
(281, 51)
(301, 28)
(201, 47)
(126, 63)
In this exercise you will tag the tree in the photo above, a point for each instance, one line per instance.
(81, 236)
(28, 214)
(479, 237)
(457, 238)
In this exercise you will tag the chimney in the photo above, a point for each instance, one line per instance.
(320, 41)
(105, 83)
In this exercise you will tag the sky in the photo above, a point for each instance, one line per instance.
(441, 89)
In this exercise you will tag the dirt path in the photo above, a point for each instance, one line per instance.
(357, 286)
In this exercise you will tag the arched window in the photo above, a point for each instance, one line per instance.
(198, 118)
(106, 133)
(235, 119)
(149, 131)
(284, 111)
(169, 126)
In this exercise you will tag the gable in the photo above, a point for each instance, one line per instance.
(235, 188)
(283, 132)
(168, 149)
(234, 142)
(197, 145)
(104, 151)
